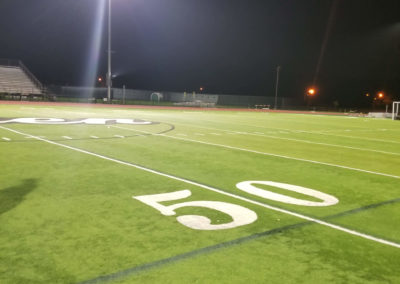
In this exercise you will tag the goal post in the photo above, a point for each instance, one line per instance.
(395, 110)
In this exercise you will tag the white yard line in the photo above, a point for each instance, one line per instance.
(6, 138)
(66, 137)
(309, 142)
(301, 216)
(119, 136)
(330, 145)
(323, 132)
(354, 137)
(94, 137)
(266, 154)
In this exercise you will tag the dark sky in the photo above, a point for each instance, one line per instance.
(227, 46)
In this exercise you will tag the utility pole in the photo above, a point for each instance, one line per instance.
(109, 78)
(123, 94)
(278, 69)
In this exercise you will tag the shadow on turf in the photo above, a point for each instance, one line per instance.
(11, 197)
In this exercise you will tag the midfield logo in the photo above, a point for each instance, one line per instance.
(62, 121)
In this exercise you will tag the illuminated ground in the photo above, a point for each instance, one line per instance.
(72, 206)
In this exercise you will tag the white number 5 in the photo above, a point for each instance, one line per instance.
(240, 215)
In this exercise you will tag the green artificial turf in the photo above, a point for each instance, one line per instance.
(69, 217)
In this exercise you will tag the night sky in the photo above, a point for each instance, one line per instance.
(346, 47)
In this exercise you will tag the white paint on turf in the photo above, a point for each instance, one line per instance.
(308, 141)
(268, 154)
(6, 138)
(327, 200)
(240, 215)
(301, 216)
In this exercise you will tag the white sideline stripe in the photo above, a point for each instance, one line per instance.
(271, 154)
(119, 136)
(5, 138)
(94, 137)
(301, 216)
(67, 137)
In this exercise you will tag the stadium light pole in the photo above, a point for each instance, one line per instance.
(109, 77)
(278, 69)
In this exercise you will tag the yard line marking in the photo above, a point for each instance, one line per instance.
(270, 154)
(6, 139)
(281, 210)
(310, 132)
(119, 136)
(66, 137)
(354, 137)
(331, 145)
(199, 134)
(94, 137)
(215, 134)
(310, 142)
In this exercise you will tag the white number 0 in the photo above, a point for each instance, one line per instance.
(240, 215)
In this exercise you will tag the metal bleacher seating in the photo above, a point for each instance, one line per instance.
(16, 79)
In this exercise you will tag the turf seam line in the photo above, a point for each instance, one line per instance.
(155, 264)
(190, 254)
(301, 216)
(269, 154)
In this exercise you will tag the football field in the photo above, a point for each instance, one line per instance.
(129, 195)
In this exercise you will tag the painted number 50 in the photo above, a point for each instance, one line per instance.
(240, 215)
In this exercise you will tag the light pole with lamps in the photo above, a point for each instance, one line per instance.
(278, 69)
(109, 76)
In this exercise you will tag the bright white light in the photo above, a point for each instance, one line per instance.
(95, 46)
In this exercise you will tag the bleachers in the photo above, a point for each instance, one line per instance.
(16, 80)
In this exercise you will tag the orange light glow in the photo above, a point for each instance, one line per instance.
(380, 95)
(201, 89)
(100, 79)
(311, 91)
